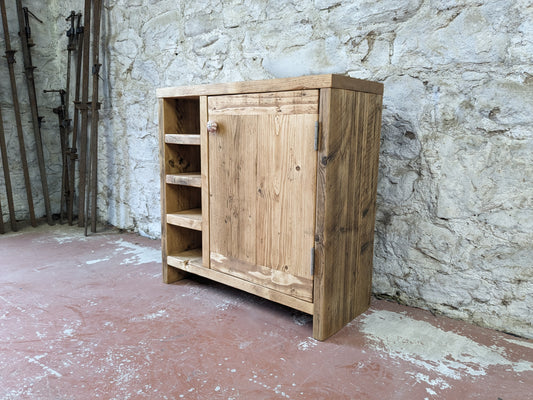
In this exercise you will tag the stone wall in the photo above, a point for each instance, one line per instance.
(454, 228)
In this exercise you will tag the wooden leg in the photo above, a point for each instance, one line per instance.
(171, 274)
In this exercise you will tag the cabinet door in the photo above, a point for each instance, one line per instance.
(262, 188)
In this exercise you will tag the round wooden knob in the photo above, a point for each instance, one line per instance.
(212, 126)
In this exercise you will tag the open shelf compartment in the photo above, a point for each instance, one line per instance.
(181, 117)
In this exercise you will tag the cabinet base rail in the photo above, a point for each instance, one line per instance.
(192, 263)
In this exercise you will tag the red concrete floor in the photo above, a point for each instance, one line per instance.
(89, 318)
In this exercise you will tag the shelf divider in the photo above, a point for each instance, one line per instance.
(191, 219)
(182, 259)
(185, 179)
(172, 138)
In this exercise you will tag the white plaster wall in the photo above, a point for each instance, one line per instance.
(454, 229)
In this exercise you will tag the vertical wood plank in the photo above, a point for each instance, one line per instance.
(371, 125)
(346, 193)
(357, 282)
(353, 175)
(321, 308)
(232, 183)
(286, 184)
(204, 155)
(169, 274)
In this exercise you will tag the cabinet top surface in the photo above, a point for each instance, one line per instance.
(274, 85)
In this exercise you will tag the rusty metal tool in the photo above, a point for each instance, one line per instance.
(64, 123)
(3, 143)
(72, 35)
(71, 46)
(83, 107)
(2, 230)
(7, 177)
(4, 156)
(73, 150)
(95, 105)
(27, 43)
(10, 56)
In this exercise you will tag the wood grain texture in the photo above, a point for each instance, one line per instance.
(294, 102)
(181, 116)
(204, 156)
(262, 181)
(194, 266)
(185, 179)
(180, 260)
(346, 193)
(180, 159)
(299, 287)
(178, 117)
(371, 125)
(191, 219)
(181, 239)
(273, 85)
(232, 187)
(165, 118)
(266, 197)
(285, 193)
(179, 198)
(358, 85)
(182, 139)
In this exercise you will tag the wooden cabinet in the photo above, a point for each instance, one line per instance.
(279, 199)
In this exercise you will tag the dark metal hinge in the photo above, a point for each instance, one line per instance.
(316, 135)
(312, 261)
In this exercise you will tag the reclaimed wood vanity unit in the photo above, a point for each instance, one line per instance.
(270, 187)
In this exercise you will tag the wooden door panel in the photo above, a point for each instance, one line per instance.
(232, 175)
(286, 177)
(262, 173)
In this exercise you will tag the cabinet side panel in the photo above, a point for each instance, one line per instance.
(346, 185)
(336, 216)
(369, 126)
(165, 117)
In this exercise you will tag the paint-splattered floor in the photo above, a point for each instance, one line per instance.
(88, 318)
